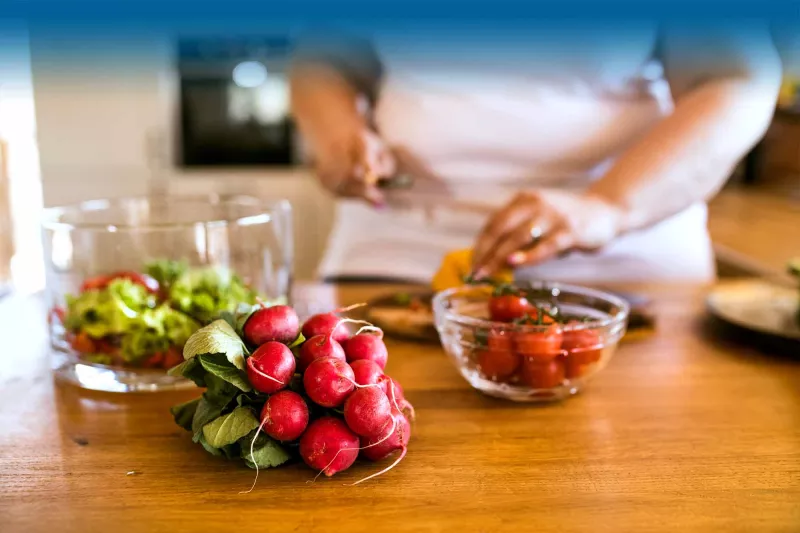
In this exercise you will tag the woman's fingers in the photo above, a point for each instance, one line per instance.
(500, 225)
(344, 171)
(550, 247)
(526, 235)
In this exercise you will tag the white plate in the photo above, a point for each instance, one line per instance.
(757, 306)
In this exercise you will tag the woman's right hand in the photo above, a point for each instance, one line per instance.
(350, 159)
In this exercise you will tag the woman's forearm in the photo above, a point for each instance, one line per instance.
(322, 100)
(688, 156)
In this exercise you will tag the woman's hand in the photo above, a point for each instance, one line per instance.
(350, 160)
(349, 157)
(539, 225)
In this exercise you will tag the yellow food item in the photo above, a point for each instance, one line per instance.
(456, 266)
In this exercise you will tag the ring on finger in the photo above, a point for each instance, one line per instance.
(536, 233)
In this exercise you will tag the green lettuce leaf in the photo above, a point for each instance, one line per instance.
(204, 293)
(166, 271)
(229, 428)
(216, 338)
(113, 310)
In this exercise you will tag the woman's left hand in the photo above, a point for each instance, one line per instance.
(539, 225)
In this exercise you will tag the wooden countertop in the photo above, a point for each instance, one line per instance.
(679, 433)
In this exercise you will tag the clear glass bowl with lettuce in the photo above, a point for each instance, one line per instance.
(128, 281)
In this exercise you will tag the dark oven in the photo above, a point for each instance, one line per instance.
(234, 103)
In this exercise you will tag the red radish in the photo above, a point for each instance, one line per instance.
(328, 445)
(380, 447)
(396, 396)
(318, 347)
(328, 381)
(366, 346)
(277, 323)
(285, 416)
(368, 411)
(367, 372)
(271, 367)
(387, 383)
(324, 324)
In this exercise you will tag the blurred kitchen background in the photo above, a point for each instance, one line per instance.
(208, 113)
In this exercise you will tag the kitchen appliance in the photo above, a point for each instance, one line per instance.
(234, 102)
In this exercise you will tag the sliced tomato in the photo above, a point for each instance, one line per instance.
(510, 307)
(172, 357)
(83, 343)
(95, 283)
(539, 345)
(154, 361)
(101, 282)
(105, 346)
(543, 374)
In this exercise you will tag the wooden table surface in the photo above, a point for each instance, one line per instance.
(680, 433)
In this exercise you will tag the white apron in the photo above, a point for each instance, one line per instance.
(486, 128)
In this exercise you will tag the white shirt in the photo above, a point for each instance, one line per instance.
(486, 123)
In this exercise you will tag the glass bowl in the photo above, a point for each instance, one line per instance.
(129, 280)
(531, 362)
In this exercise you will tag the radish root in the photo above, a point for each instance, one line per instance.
(252, 458)
(405, 405)
(260, 373)
(370, 328)
(356, 385)
(388, 435)
(350, 307)
(376, 474)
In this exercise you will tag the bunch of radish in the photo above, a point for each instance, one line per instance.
(328, 394)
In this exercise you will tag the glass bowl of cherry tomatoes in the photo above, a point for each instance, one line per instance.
(532, 342)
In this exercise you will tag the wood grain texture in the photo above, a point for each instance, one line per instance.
(680, 433)
(760, 224)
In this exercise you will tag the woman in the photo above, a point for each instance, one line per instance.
(567, 156)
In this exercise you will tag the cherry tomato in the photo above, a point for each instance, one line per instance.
(498, 361)
(105, 346)
(172, 357)
(509, 307)
(539, 345)
(498, 340)
(498, 365)
(101, 282)
(542, 374)
(83, 343)
(583, 346)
